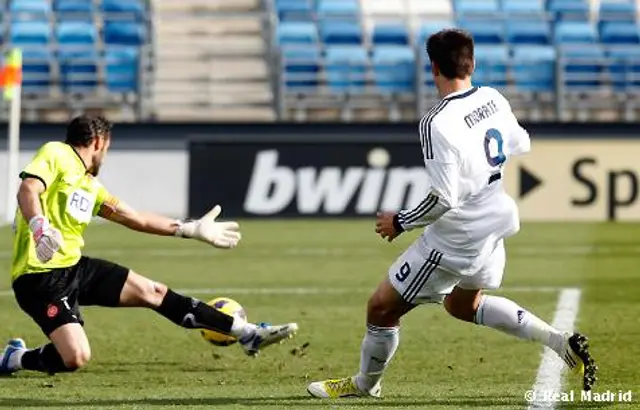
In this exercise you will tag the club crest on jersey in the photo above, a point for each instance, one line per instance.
(80, 205)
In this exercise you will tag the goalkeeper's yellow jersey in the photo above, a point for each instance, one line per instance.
(71, 199)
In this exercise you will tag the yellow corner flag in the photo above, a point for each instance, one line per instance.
(11, 73)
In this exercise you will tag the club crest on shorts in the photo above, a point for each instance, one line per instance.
(52, 311)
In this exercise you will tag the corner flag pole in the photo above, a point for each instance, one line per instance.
(11, 80)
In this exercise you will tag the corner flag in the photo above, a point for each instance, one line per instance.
(11, 82)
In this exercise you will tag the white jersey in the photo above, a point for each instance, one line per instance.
(466, 140)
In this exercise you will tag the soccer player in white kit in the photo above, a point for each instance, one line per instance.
(466, 139)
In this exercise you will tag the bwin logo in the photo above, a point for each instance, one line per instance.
(333, 190)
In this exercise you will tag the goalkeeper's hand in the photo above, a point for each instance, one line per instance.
(224, 235)
(47, 238)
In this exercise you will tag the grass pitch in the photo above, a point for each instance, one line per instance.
(319, 273)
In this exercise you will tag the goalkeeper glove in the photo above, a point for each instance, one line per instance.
(222, 235)
(47, 238)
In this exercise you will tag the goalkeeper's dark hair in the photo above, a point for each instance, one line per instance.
(83, 129)
(451, 50)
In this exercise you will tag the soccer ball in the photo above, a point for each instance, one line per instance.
(229, 307)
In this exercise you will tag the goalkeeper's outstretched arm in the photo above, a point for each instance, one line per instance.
(206, 229)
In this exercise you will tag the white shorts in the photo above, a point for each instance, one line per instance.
(418, 276)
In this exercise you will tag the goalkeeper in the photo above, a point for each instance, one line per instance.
(57, 199)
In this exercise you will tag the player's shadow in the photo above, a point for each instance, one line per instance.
(490, 402)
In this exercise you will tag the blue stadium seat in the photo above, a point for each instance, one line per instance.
(491, 65)
(121, 69)
(484, 31)
(571, 32)
(349, 8)
(76, 32)
(431, 27)
(619, 10)
(124, 8)
(127, 33)
(534, 68)
(394, 68)
(620, 33)
(301, 66)
(346, 68)
(392, 34)
(291, 10)
(523, 7)
(341, 32)
(624, 67)
(290, 32)
(569, 9)
(78, 69)
(36, 70)
(24, 33)
(34, 9)
(464, 8)
(582, 67)
(530, 31)
(73, 6)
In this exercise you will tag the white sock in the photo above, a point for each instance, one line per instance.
(506, 316)
(241, 328)
(378, 347)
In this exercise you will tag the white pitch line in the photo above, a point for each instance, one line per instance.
(549, 379)
(311, 291)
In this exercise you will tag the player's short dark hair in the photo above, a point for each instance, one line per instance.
(83, 129)
(452, 51)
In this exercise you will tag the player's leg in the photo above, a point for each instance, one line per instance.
(467, 302)
(108, 284)
(413, 279)
(51, 300)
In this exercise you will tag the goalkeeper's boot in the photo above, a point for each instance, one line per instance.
(338, 388)
(265, 335)
(7, 365)
(578, 358)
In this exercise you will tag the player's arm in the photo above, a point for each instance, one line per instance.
(441, 162)
(29, 197)
(218, 234)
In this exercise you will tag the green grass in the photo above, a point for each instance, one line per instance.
(141, 361)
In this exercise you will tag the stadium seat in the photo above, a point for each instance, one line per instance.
(534, 68)
(484, 31)
(582, 67)
(569, 9)
(121, 69)
(36, 70)
(570, 32)
(290, 32)
(384, 8)
(301, 66)
(618, 10)
(76, 32)
(25, 33)
(620, 33)
(346, 68)
(491, 65)
(291, 10)
(523, 7)
(394, 68)
(624, 67)
(123, 9)
(124, 33)
(341, 32)
(349, 8)
(33, 9)
(390, 34)
(530, 31)
(431, 27)
(465, 8)
(73, 6)
(438, 9)
(78, 69)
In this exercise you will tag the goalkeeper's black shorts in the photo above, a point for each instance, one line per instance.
(53, 298)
